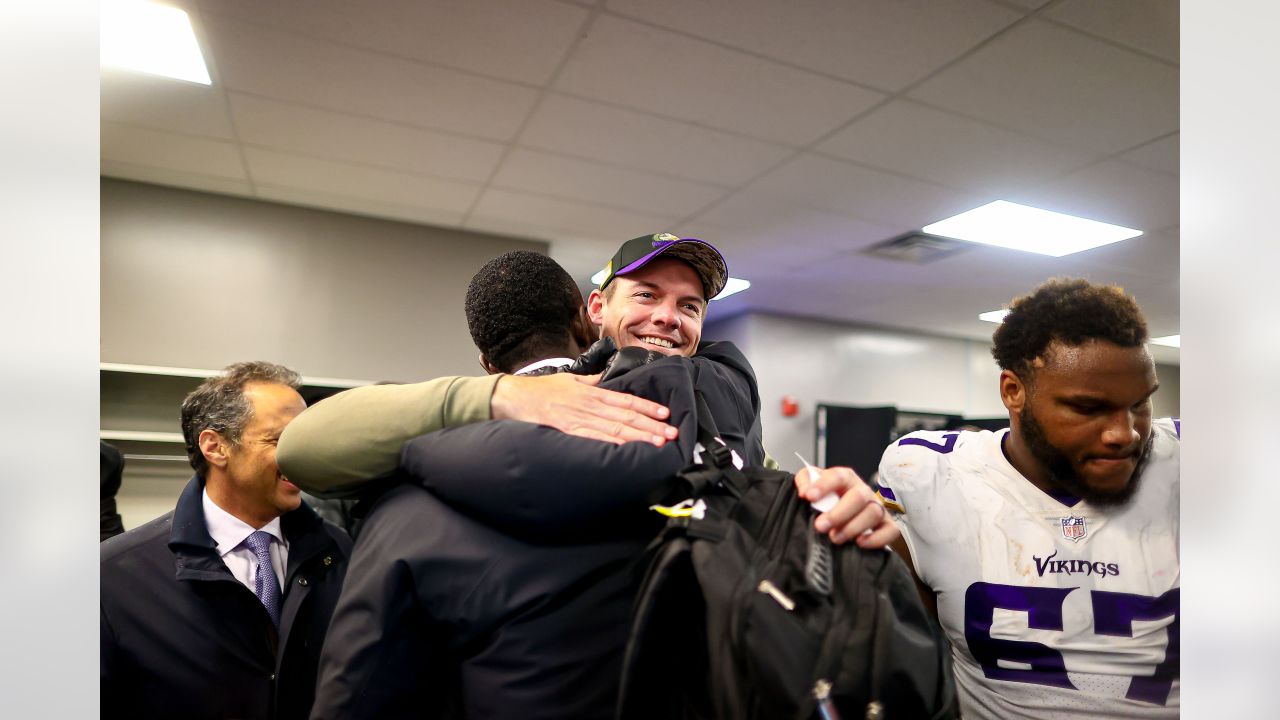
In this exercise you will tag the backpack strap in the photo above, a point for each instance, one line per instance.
(717, 457)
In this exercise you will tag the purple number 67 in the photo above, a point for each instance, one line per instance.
(947, 445)
(1113, 614)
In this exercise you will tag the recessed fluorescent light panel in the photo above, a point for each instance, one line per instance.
(731, 287)
(151, 38)
(1168, 341)
(995, 316)
(1020, 227)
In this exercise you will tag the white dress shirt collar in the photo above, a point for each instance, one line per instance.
(549, 362)
(228, 531)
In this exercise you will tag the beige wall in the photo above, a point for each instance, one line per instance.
(197, 280)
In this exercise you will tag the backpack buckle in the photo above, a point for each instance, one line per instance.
(718, 455)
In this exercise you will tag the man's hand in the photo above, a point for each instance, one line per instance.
(572, 404)
(857, 511)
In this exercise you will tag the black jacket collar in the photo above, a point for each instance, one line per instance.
(196, 553)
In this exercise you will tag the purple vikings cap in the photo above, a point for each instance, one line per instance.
(704, 259)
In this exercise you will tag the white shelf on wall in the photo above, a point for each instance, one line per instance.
(309, 380)
(141, 436)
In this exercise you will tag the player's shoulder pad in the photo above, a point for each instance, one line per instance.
(1166, 442)
(1171, 426)
(916, 462)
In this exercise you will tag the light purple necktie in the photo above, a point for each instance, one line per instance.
(265, 585)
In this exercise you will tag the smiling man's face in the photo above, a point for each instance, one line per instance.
(659, 307)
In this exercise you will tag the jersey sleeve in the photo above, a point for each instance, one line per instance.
(910, 468)
(911, 471)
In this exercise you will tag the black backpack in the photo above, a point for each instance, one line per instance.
(746, 612)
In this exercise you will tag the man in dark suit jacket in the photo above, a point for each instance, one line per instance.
(219, 608)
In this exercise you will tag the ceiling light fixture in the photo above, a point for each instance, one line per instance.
(732, 286)
(1020, 227)
(151, 38)
(1168, 341)
(995, 316)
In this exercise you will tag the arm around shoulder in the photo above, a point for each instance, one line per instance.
(340, 443)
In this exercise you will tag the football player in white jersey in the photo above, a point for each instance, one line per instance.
(1051, 548)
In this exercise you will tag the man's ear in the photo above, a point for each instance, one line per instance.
(1013, 392)
(595, 307)
(582, 330)
(489, 368)
(213, 447)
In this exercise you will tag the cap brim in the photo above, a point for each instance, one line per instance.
(705, 260)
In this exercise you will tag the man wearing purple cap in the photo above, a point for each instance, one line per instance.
(655, 293)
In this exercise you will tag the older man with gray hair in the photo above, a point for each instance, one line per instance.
(218, 609)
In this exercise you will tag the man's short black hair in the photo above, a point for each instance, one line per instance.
(1071, 311)
(519, 308)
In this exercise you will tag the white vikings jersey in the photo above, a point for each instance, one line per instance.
(1054, 608)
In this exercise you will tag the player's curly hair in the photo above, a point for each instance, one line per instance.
(519, 308)
(1071, 311)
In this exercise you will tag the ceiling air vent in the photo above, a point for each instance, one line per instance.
(916, 247)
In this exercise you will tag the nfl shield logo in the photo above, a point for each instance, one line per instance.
(1073, 528)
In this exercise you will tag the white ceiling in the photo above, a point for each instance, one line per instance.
(790, 135)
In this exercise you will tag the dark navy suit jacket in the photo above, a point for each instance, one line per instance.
(182, 638)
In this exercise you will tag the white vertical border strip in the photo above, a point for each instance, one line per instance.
(49, 358)
(1230, 391)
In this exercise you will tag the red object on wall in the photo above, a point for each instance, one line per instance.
(790, 406)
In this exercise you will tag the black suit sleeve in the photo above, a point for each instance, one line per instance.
(111, 470)
(534, 480)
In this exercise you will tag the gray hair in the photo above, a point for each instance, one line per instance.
(219, 404)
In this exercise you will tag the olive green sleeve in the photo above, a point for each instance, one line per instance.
(344, 441)
(769, 462)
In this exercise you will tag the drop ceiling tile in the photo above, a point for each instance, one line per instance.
(646, 142)
(935, 145)
(1162, 155)
(516, 213)
(1112, 192)
(1149, 25)
(170, 151)
(163, 104)
(174, 178)
(1057, 84)
(337, 136)
(544, 174)
(757, 253)
(269, 62)
(884, 44)
(519, 40)
(864, 193)
(359, 205)
(353, 181)
(757, 218)
(1154, 255)
(693, 80)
